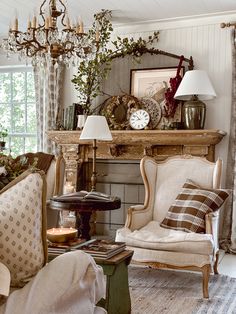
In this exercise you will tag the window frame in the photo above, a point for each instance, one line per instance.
(24, 135)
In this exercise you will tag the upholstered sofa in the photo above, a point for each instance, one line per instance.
(71, 283)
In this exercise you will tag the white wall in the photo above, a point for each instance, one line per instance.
(201, 38)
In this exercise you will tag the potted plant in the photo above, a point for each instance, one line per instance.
(3, 135)
(94, 68)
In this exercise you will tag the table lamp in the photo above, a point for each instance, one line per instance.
(95, 128)
(194, 87)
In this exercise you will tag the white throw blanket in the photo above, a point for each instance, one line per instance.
(70, 284)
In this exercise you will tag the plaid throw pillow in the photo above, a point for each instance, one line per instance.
(188, 211)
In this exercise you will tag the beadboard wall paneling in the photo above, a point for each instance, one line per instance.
(210, 47)
(205, 41)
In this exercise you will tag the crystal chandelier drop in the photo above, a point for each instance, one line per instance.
(47, 42)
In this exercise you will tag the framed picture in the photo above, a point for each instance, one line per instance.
(152, 83)
(147, 82)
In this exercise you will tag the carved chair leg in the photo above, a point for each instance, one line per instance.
(206, 273)
(215, 268)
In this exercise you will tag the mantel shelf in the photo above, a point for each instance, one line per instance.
(151, 137)
(133, 145)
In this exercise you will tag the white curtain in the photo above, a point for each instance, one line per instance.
(228, 238)
(48, 86)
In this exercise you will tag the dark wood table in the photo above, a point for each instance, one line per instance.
(84, 207)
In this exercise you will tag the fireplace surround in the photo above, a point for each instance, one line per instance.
(118, 162)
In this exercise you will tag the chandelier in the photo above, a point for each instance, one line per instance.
(47, 42)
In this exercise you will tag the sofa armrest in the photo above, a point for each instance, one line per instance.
(212, 227)
(138, 216)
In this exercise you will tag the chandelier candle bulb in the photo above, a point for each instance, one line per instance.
(34, 22)
(81, 27)
(50, 23)
(47, 23)
(29, 24)
(68, 22)
(15, 25)
(77, 29)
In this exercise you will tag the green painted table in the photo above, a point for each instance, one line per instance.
(117, 290)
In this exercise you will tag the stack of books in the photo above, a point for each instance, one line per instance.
(55, 249)
(103, 249)
(99, 249)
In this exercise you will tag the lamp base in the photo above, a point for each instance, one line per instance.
(193, 114)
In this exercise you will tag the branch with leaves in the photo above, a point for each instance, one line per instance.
(96, 65)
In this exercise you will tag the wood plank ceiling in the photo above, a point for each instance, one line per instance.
(123, 11)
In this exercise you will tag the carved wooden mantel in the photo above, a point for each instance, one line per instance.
(130, 145)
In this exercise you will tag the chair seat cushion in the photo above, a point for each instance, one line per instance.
(153, 236)
(188, 211)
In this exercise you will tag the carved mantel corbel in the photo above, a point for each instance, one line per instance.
(116, 150)
(148, 150)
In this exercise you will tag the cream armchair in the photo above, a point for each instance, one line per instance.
(167, 248)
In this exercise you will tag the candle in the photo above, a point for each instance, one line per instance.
(81, 27)
(67, 22)
(34, 22)
(61, 231)
(47, 23)
(68, 187)
(61, 234)
(15, 25)
(50, 21)
(77, 29)
(29, 24)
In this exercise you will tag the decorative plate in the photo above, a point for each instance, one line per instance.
(117, 110)
(154, 110)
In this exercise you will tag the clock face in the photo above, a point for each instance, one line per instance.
(139, 119)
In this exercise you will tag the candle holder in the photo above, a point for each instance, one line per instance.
(61, 234)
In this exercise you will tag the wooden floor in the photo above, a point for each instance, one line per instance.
(227, 264)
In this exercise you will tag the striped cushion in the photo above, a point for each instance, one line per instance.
(188, 211)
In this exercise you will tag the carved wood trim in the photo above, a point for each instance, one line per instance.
(133, 145)
(205, 270)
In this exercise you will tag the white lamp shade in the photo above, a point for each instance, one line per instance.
(195, 82)
(96, 128)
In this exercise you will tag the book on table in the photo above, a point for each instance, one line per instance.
(98, 196)
(62, 247)
(103, 249)
(100, 249)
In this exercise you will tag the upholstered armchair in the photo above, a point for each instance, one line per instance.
(54, 168)
(146, 230)
(71, 283)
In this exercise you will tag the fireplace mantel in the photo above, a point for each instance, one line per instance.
(133, 145)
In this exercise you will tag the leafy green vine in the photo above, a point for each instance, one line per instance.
(94, 68)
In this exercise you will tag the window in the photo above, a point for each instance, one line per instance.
(17, 109)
